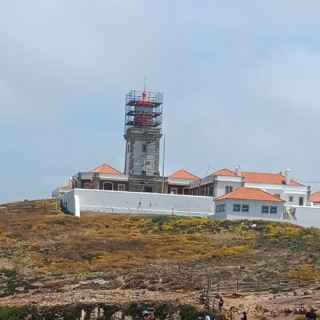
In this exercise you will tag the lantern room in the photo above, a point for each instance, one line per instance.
(143, 109)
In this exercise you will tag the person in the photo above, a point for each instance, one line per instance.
(148, 315)
(311, 315)
(221, 302)
(244, 316)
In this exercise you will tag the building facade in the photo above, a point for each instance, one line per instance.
(280, 185)
(143, 133)
(103, 177)
(249, 203)
(179, 182)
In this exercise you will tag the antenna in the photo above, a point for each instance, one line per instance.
(208, 169)
(144, 84)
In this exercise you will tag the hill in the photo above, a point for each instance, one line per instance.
(44, 257)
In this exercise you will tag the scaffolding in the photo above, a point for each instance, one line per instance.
(143, 109)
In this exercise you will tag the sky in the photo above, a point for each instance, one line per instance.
(240, 82)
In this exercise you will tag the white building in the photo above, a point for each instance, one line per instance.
(279, 184)
(249, 203)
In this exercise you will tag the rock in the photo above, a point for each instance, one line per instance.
(117, 316)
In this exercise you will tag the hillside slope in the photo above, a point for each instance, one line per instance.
(40, 254)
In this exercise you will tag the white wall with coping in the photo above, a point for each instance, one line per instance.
(68, 201)
(307, 216)
(103, 201)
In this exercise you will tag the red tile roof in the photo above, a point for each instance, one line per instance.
(267, 178)
(295, 183)
(315, 197)
(106, 169)
(258, 177)
(225, 173)
(183, 175)
(252, 194)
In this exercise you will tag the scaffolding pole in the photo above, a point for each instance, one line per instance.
(163, 160)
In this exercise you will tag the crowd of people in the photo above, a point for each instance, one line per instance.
(149, 314)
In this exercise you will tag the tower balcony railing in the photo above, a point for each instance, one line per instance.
(135, 97)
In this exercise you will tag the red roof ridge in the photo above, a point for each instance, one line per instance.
(183, 175)
(294, 182)
(253, 194)
(225, 172)
(264, 172)
(107, 169)
(267, 178)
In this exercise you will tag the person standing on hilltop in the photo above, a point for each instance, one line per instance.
(221, 303)
(311, 315)
(244, 316)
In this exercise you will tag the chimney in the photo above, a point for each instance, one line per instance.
(286, 174)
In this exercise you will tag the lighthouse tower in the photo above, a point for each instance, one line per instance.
(143, 121)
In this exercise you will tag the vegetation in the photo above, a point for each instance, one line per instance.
(160, 252)
(188, 312)
(12, 313)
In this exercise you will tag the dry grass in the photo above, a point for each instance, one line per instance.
(49, 246)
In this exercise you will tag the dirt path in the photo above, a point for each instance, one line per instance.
(275, 306)
(262, 306)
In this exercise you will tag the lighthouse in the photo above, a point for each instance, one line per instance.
(143, 132)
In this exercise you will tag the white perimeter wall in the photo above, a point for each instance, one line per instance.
(137, 203)
(307, 216)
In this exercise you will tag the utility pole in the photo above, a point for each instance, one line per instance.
(163, 161)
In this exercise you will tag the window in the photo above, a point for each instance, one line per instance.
(291, 199)
(265, 209)
(245, 208)
(211, 189)
(273, 209)
(236, 208)
(87, 185)
(173, 190)
(147, 189)
(220, 208)
(229, 189)
(144, 148)
(301, 201)
(121, 187)
(107, 186)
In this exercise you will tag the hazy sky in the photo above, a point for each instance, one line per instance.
(240, 79)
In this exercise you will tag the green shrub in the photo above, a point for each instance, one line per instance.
(12, 313)
(11, 276)
(188, 312)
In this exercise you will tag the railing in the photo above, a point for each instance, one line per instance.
(209, 295)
